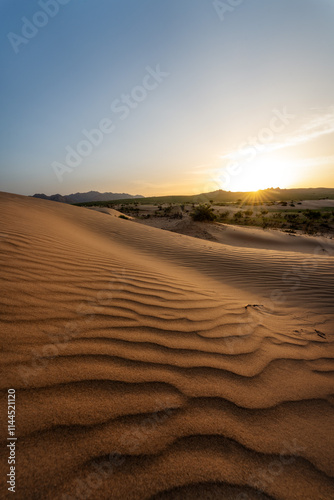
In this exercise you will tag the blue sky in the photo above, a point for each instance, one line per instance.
(228, 68)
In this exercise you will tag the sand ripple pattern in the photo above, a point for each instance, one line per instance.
(152, 365)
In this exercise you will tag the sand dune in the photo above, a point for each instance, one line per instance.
(109, 211)
(248, 237)
(154, 365)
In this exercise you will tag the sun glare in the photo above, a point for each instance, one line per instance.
(260, 174)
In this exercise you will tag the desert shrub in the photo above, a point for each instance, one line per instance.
(238, 215)
(291, 217)
(309, 228)
(167, 210)
(123, 217)
(265, 223)
(248, 213)
(224, 215)
(313, 214)
(203, 213)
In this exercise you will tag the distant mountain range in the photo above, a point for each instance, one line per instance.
(272, 194)
(269, 194)
(86, 197)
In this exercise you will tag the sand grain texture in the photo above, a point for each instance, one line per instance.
(150, 364)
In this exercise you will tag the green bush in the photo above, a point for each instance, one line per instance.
(203, 213)
(313, 214)
(238, 215)
(291, 217)
(223, 216)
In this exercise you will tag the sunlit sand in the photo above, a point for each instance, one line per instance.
(153, 364)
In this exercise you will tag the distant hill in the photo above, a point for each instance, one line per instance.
(87, 197)
(270, 194)
(220, 196)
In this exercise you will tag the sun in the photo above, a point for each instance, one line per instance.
(259, 174)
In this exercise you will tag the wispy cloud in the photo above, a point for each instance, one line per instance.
(313, 129)
(144, 184)
(204, 168)
(321, 123)
(317, 124)
(315, 162)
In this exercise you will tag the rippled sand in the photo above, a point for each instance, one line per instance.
(150, 364)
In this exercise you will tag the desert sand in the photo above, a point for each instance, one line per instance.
(151, 364)
(241, 236)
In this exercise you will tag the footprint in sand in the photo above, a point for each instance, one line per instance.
(321, 334)
(253, 305)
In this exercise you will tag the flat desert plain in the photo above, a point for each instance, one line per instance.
(153, 365)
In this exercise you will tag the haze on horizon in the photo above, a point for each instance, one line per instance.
(166, 97)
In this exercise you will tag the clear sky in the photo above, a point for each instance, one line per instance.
(161, 97)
